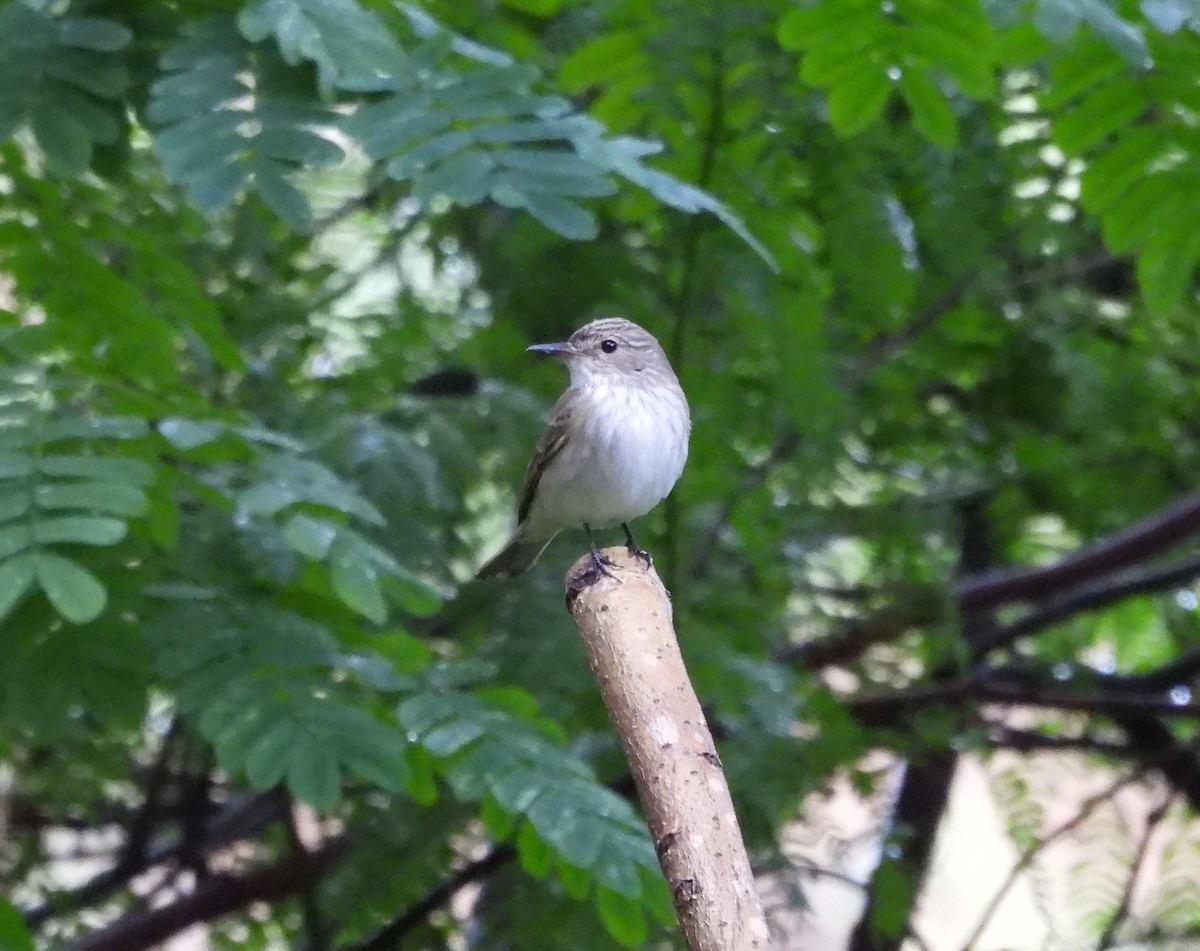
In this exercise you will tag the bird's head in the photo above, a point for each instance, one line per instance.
(610, 350)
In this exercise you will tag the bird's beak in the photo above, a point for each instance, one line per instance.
(551, 349)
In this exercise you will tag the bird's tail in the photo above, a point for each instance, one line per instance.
(516, 557)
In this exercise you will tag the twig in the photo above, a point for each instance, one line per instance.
(390, 935)
(1025, 859)
(1151, 536)
(314, 923)
(879, 351)
(238, 820)
(133, 858)
(215, 896)
(877, 709)
(685, 298)
(1139, 861)
(1090, 598)
(1030, 741)
(884, 346)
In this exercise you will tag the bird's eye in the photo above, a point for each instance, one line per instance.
(608, 346)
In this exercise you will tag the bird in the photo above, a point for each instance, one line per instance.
(615, 444)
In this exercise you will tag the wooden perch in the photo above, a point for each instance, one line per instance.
(630, 641)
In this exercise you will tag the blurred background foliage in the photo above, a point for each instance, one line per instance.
(268, 268)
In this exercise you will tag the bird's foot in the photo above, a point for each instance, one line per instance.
(636, 550)
(601, 563)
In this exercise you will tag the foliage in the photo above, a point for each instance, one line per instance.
(926, 269)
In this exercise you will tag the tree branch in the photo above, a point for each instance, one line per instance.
(881, 709)
(390, 935)
(1139, 861)
(1090, 598)
(1151, 536)
(215, 896)
(236, 821)
(1026, 858)
(625, 622)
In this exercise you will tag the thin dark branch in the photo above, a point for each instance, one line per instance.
(215, 896)
(883, 347)
(316, 931)
(1145, 539)
(237, 820)
(1090, 598)
(1135, 870)
(921, 608)
(1030, 741)
(685, 298)
(879, 351)
(1027, 857)
(887, 624)
(390, 935)
(883, 708)
(133, 858)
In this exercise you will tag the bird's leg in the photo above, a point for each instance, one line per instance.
(598, 559)
(634, 548)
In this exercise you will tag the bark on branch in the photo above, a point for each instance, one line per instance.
(627, 631)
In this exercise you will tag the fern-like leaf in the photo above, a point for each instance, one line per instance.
(862, 52)
(57, 492)
(232, 117)
(62, 79)
(351, 48)
(570, 821)
(1142, 179)
(267, 689)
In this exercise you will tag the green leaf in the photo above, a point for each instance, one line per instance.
(312, 537)
(1059, 19)
(422, 776)
(16, 576)
(458, 135)
(1169, 16)
(79, 529)
(1109, 109)
(858, 102)
(105, 468)
(190, 433)
(894, 892)
(931, 112)
(483, 752)
(313, 776)
(623, 918)
(14, 936)
(356, 581)
(350, 46)
(534, 853)
(559, 215)
(230, 117)
(288, 480)
(94, 427)
(267, 761)
(61, 79)
(14, 539)
(73, 590)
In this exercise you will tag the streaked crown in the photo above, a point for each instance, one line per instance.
(618, 346)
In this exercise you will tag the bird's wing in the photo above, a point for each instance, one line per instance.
(553, 441)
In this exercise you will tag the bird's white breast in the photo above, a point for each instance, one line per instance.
(623, 457)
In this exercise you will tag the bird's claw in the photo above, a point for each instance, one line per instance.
(602, 564)
(636, 550)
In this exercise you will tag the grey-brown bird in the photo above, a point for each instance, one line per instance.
(614, 447)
